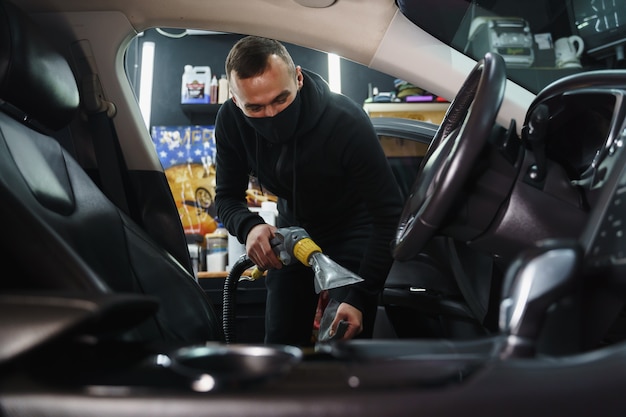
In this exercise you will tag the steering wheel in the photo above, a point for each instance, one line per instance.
(452, 154)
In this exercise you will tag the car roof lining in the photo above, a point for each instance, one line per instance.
(376, 44)
(375, 15)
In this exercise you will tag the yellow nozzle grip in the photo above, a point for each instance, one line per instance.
(256, 273)
(304, 248)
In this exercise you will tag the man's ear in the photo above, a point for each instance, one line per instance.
(299, 77)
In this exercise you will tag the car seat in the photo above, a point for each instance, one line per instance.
(60, 233)
(447, 290)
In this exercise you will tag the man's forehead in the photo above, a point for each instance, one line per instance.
(263, 90)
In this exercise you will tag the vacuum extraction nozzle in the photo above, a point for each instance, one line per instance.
(329, 274)
(293, 244)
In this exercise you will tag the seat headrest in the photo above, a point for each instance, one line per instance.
(34, 77)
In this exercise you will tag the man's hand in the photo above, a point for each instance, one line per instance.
(352, 316)
(259, 249)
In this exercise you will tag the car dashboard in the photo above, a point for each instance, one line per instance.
(585, 135)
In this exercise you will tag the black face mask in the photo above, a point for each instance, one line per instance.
(281, 127)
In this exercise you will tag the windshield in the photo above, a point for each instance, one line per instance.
(540, 40)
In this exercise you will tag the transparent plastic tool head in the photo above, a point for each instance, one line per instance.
(329, 274)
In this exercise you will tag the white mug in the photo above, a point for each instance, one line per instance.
(568, 50)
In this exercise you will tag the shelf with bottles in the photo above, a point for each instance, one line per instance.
(205, 97)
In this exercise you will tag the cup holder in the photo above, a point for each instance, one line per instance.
(211, 367)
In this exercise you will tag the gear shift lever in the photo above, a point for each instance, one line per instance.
(535, 280)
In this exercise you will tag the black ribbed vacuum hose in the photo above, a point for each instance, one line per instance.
(230, 292)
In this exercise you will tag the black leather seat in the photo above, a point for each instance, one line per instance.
(440, 294)
(446, 291)
(59, 232)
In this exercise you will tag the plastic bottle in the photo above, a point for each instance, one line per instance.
(184, 92)
(218, 239)
(213, 88)
(217, 249)
(195, 82)
(222, 92)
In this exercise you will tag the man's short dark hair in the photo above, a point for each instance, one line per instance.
(248, 57)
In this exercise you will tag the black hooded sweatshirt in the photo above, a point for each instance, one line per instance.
(332, 178)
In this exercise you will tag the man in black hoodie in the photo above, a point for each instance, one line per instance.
(318, 152)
